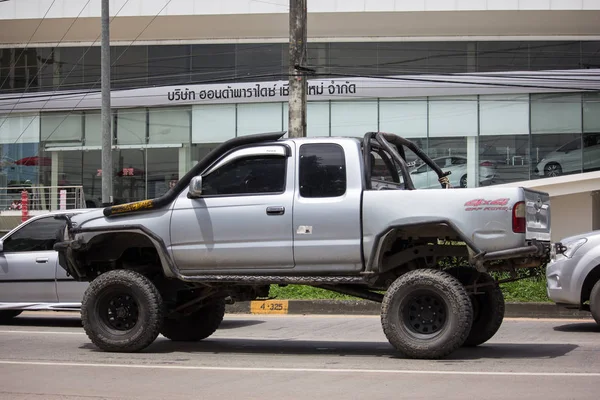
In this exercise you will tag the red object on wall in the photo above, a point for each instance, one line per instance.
(24, 206)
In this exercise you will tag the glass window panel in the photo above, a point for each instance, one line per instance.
(19, 129)
(556, 154)
(591, 112)
(406, 118)
(555, 55)
(555, 113)
(93, 129)
(322, 170)
(129, 182)
(58, 127)
(213, 123)
(353, 118)
(353, 58)
(453, 116)
(130, 66)
(591, 151)
(169, 125)
(70, 66)
(249, 175)
(590, 54)
(92, 70)
(502, 56)
(91, 178)
(317, 118)
(504, 114)
(168, 65)
(163, 168)
(48, 73)
(212, 62)
(39, 235)
(256, 62)
(447, 153)
(402, 58)
(131, 126)
(259, 118)
(447, 57)
(504, 156)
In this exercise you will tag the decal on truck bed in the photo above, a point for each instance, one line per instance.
(487, 205)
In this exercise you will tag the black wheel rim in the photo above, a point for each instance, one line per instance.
(118, 310)
(424, 314)
(463, 181)
(553, 170)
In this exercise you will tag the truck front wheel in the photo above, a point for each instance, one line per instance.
(122, 311)
(426, 314)
(196, 326)
(488, 304)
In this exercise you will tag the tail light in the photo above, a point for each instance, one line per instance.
(486, 164)
(518, 217)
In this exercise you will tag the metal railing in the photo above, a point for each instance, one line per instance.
(42, 198)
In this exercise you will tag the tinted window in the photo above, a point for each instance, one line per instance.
(36, 236)
(251, 175)
(322, 170)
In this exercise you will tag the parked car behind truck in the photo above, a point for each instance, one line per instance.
(261, 210)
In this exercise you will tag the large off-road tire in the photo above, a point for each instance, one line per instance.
(7, 315)
(595, 302)
(426, 314)
(488, 304)
(196, 326)
(122, 311)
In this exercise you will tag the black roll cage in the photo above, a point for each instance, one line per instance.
(394, 145)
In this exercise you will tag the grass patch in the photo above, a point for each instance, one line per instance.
(526, 290)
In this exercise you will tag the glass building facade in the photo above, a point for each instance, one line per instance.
(519, 136)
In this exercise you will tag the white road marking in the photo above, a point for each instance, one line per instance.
(43, 332)
(309, 370)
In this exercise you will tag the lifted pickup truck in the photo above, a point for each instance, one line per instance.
(262, 210)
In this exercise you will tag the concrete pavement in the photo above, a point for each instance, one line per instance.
(47, 356)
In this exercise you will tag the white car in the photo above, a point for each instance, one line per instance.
(569, 157)
(423, 177)
(30, 276)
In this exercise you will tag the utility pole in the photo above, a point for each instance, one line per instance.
(297, 76)
(107, 195)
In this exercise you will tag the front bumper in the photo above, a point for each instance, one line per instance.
(559, 274)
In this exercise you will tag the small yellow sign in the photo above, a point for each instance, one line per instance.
(269, 307)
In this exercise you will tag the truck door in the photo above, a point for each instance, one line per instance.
(243, 219)
(327, 204)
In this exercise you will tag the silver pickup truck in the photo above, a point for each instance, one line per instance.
(262, 210)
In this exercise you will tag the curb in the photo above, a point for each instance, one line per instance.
(364, 307)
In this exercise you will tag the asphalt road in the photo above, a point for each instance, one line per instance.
(47, 356)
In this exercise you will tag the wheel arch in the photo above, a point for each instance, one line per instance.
(415, 228)
(588, 283)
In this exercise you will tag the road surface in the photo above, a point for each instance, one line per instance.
(47, 356)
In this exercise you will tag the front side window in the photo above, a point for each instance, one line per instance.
(247, 176)
(39, 235)
(322, 170)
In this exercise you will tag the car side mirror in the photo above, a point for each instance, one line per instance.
(195, 187)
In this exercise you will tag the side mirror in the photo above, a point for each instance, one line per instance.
(195, 187)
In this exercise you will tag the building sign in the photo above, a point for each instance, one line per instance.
(402, 86)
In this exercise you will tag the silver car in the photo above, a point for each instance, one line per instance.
(30, 276)
(573, 276)
(424, 177)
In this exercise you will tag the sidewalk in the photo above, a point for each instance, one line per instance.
(364, 307)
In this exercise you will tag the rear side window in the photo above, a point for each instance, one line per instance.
(322, 170)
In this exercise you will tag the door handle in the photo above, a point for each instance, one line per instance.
(276, 210)
(41, 260)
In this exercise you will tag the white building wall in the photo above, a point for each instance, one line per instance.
(571, 215)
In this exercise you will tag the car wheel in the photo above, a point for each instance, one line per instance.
(7, 315)
(196, 326)
(488, 304)
(552, 169)
(463, 181)
(595, 302)
(426, 314)
(122, 311)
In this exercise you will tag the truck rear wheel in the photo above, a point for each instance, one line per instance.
(426, 314)
(488, 304)
(196, 326)
(122, 311)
